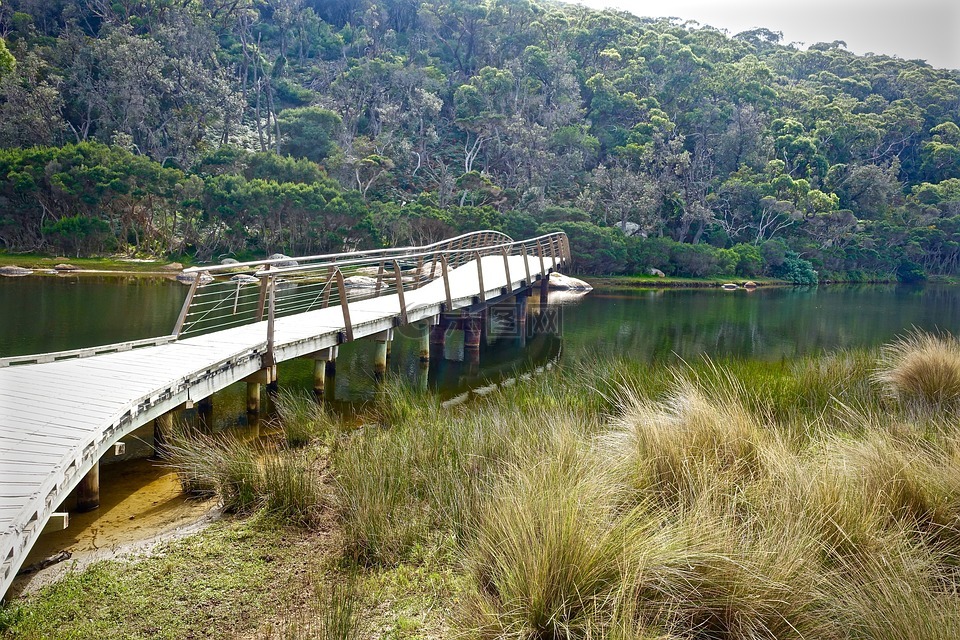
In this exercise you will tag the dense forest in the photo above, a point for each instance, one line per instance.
(238, 127)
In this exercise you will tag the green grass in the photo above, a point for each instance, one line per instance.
(39, 261)
(605, 498)
(643, 281)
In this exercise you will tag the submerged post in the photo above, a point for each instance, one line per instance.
(521, 318)
(471, 338)
(438, 340)
(88, 491)
(425, 331)
(384, 338)
(321, 361)
(254, 382)
(253, 397)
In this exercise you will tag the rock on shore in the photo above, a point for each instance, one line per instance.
(13, 270)
(560, 282)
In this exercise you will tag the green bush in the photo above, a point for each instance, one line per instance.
(796, 270)
(699, 260)
(644, 254)
(749, 260)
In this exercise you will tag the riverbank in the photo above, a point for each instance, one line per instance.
(668, 282)
(104, 265)
(605, 498)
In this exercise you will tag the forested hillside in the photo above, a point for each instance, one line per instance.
(239, 127)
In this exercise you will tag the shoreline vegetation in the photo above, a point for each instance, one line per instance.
(814, 498)
(43, 264)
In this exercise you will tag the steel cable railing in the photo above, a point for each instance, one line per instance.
(228, 296)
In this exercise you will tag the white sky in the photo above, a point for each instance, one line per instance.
(924, 29)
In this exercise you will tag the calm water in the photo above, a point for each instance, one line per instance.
(52, 313)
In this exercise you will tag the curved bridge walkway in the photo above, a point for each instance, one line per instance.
(61, 412)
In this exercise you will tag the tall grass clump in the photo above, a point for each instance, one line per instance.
(680, 448)
(375, 497)
(333, 613)
(303, 419)
(221, 464)
(545, 558)
(248, 476)
(921, 370)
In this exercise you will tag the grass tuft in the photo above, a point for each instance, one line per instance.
(921, 370)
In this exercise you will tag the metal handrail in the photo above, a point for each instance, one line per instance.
(309, 284)
(442, 257)
(391, 251)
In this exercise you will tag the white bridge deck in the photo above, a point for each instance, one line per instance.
(58, 418)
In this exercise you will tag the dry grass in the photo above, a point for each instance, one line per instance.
(921, 370)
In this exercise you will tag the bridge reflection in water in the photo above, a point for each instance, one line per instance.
(61, 413)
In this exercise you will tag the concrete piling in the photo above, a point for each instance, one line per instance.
(521, 316)
(425, 339)
(438, 341)
(384, 338)
(472, 327)
(253, 397)
(88, 491)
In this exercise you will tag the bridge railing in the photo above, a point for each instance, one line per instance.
(234, 295)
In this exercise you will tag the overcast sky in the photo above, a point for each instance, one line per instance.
(924, 29)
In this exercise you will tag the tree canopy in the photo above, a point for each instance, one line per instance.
(261, 125)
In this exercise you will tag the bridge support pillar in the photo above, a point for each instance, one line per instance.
(438, 340)
(162, 432)
(254, 382)
(425, 339)
(484, 319)
(472, 328)
(253, 397)
(384, 338)
(88, 491)
(521, 314)
(323, 364)
(205, 414)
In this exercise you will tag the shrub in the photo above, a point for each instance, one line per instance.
(796, 270)
(749, 260)
(698, 260)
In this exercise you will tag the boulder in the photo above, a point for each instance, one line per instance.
(658, 273)
(560, 282)
(729, 286)
(188, 278)
(173, 266)
(14, 270)
(65, 266)
(368, 271)
(283, 261)
(245, 278)
(749, 284)
(360, 282)
(229, 261)
(631, 229)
